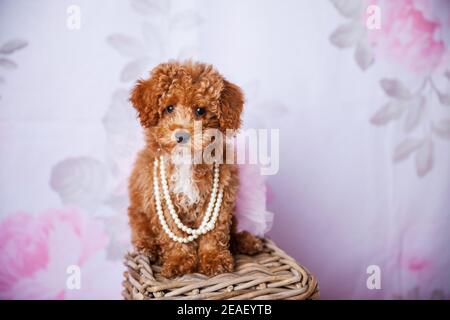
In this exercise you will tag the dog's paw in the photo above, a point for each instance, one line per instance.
(246, 243)
(177, 265)
(215, 262)
(144, 248)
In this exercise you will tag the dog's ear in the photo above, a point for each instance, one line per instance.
(145, 101)
(231, 104)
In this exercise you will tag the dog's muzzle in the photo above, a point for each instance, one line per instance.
(182, 136)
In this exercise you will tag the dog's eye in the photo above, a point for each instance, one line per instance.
(169, 109)
(200, 111)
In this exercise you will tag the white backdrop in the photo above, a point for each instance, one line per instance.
(357, 185)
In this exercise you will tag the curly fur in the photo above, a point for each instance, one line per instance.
(186, 86)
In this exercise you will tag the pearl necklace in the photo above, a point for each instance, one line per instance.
(211, 214)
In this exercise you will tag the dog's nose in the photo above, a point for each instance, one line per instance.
(182, 136)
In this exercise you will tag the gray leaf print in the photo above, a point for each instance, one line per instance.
(127, 46)
(364, 55)
(348, 8)
(444, 99)
(405, 149)
(134, 69)
(447, 74)
(150, 7)
(80, 181)
(120, 117)
(442, 129)
(395, 89)
(13, 45)
(414, 114)
(7, 64)
(424, 158)
(391, 111)
(346, 35)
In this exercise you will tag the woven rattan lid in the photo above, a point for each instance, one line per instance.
(270, 275)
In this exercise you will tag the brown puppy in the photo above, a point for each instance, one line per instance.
(169, 103)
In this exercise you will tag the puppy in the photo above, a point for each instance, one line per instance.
(175, 99)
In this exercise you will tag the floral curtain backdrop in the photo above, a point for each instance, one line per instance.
(363, 113)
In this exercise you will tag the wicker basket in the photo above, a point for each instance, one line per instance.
(270, 275)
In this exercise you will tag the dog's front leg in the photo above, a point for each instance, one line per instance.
(178, 258)
(214, 247)
(142, 233)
